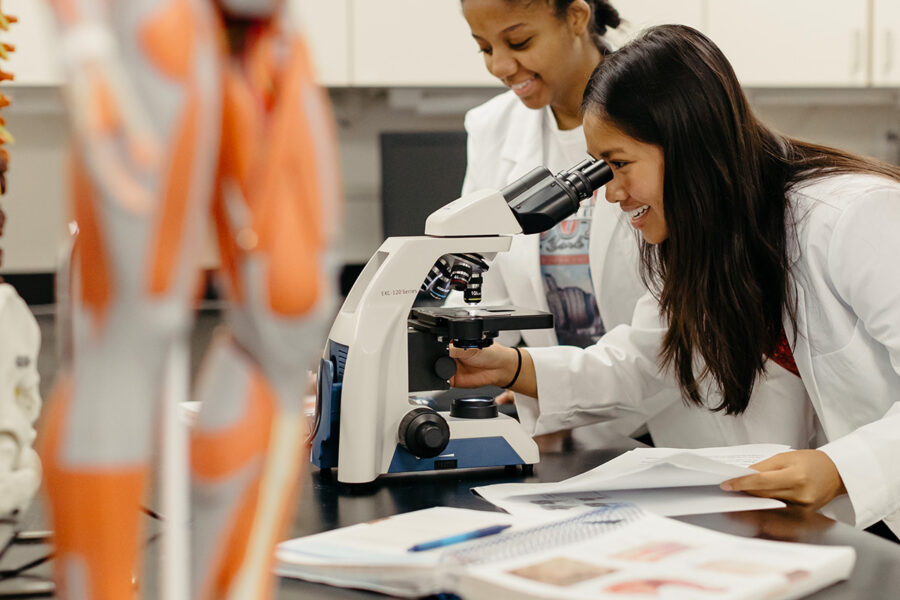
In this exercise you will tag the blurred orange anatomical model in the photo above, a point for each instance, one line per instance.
(183, 109)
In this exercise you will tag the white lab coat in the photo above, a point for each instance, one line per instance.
(846, 249)
(505, 141)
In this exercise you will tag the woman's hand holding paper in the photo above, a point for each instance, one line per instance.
(805, 477)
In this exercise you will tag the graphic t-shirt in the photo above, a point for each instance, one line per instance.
(565, 262)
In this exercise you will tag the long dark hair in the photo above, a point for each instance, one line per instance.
(722, 274)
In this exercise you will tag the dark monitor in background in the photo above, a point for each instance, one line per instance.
(420, 172)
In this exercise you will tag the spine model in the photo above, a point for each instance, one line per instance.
(5, 136)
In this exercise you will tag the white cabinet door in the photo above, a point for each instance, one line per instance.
(326, 24)
(639, 14)
(414, 43)
(36, 59)
(886, 43)
(793, 43)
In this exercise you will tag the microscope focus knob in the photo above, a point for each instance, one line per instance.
(423, 432)
(445, 367)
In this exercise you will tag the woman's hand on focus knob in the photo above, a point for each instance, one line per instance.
(494, 365)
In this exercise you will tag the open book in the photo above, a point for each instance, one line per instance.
(667, 481)
(612, 552)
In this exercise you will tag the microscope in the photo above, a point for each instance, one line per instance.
(381, 350)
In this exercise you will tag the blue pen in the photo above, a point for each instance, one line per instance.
(460, 537)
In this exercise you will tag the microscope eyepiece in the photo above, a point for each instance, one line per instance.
(588, 176)
(539, 200)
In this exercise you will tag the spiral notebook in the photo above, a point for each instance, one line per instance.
(616, 551)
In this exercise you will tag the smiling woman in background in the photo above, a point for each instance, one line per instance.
(545, 51)
(757, 246)
(586, 269)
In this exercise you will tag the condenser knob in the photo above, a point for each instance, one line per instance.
(423, 432)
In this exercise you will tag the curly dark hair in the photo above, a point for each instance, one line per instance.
(604, 16)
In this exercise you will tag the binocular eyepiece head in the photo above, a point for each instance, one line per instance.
(539, 200)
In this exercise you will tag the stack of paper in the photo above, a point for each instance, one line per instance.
(667, 481)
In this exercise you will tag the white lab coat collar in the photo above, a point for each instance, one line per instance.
(523, 147)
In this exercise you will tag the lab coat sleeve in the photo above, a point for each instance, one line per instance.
(864, 267)
(608, 380)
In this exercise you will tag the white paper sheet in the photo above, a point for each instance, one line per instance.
(666, 481)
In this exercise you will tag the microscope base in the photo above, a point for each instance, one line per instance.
(495, 442)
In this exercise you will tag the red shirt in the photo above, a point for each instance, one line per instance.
(783, 355)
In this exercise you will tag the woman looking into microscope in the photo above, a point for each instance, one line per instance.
(756, 247)
(584, 270)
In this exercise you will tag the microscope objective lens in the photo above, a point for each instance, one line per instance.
(460, 275)
(441, 288)
(439, 272)
(472, 293)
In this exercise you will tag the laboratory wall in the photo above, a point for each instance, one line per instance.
(864, 121)
(389, 69)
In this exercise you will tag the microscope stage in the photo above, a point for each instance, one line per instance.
(476, 323)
